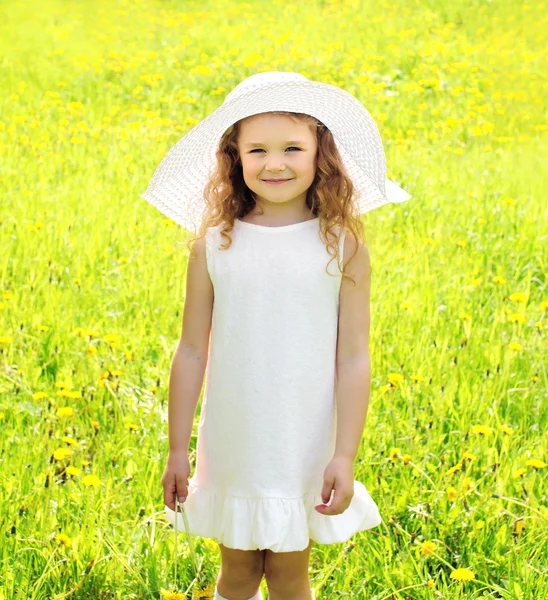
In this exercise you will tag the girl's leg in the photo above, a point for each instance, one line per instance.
(257, 596)
(241, 574)
(286, 574)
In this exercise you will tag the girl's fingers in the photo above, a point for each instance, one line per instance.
(182, 488)
(335, 508)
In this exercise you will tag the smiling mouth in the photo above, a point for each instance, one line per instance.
(276, 180)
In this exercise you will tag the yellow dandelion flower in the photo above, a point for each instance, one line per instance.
(172, 595)
(85, 463)
(457, 467)
(544, 305)
(70, 470)
(519, 473)
(395, 378)
(481, 430)
(476, 282)
(203, 70)
(6, 340)
(515, 346)
(394, 453)
(69, 393)
(469, 456)
(91, 350)
(132, 427)
(462, 575)
(466, 483)
(62, 453)
(385, 387)
(517, 318)
(406, 458)
(91, 480)
(65, 411)
(451, 492)
(69, 441)
(462, 243)
(506, 429)
(207, 593)
(535, 463)
(518, 297)
(430, 583)
(418, 378)
(499, 279)
(210, 545)
(64, 539)
(39, 395)
(519, 526)
(508, 202)
(427, 548)
(465, 316)
(113, 339)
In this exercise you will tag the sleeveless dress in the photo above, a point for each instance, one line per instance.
(267, 426)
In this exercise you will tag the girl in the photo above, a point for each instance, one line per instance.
(272, 182)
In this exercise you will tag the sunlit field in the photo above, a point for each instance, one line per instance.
(92, 290)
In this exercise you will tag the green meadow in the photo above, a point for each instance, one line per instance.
(92, 289)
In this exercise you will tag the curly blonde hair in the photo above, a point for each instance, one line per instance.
(330, 197)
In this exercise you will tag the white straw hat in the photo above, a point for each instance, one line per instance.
(177, 185)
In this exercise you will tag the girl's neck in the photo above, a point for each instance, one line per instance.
(277, 220)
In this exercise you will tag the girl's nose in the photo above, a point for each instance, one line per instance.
(275, 164)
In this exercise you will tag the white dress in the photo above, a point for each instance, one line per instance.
(267, 425)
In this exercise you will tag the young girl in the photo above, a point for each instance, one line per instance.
(273, 181)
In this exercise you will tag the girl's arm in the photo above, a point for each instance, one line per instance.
(190, 357)
(352, 380)
(353, 360)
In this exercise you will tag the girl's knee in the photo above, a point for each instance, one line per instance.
(245, 566)
(287, 571)
(241, 574)
(284, 579)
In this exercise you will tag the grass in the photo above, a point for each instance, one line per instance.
(93, 279)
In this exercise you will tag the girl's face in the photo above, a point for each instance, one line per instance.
(276, 147)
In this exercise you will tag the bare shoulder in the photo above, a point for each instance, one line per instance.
(354, 308)
(197, 269)
(356, 260)
(198, 249)
(198, 303)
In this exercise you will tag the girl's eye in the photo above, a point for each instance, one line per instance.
(262, 150)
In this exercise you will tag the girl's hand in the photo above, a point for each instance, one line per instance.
(175, 478)
(338, 476)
